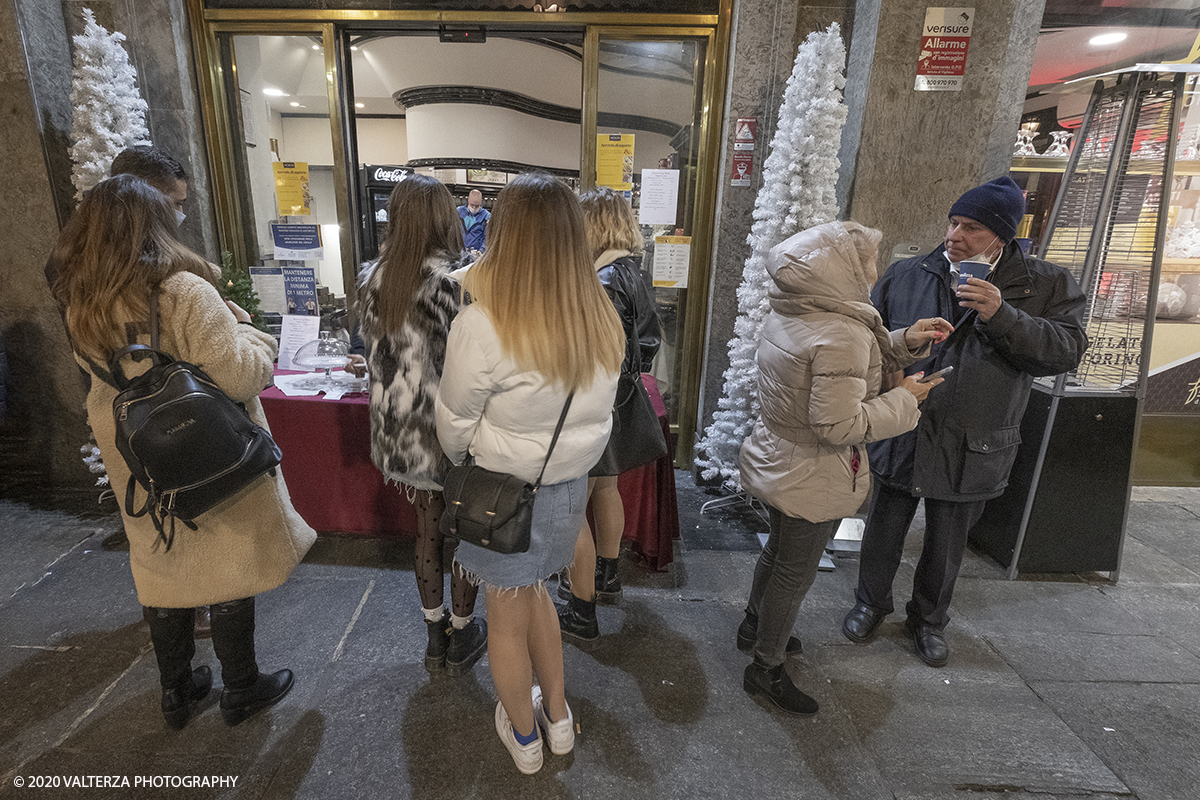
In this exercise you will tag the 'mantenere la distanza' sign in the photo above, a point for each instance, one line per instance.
(944, 40)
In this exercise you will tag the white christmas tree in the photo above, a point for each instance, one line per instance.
(799, 179)
(109, 113)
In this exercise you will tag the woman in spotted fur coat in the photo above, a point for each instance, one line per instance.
(408, 300)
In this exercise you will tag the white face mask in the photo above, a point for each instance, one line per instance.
(179, 217)
(992, 261)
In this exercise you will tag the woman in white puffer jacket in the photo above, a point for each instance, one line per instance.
(540, 331)
(821, 361)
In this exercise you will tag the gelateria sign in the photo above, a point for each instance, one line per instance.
(943, 58)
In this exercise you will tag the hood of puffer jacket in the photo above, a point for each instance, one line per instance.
(821, 269)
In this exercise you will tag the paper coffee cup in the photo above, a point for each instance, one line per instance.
(972, 269)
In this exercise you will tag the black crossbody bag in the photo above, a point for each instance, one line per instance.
(490, 509)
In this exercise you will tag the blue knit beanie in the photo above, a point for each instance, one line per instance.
(998, 204)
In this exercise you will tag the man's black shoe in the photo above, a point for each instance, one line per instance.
(774, 684)
(930, 643)
(862, 623)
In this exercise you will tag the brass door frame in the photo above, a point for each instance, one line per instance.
(216, 116)
(704, 213)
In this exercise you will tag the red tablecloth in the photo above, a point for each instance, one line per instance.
(336, 488)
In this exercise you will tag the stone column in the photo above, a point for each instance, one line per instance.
(46, 424)
(765, 36)
(907, 155)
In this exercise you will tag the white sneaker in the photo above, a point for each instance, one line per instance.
(559, 735)
(527, 757)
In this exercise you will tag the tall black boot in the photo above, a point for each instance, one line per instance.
(247, 690)
(171, 633)
(608, 580)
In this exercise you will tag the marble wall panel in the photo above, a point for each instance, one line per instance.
(918, 151)
(45, 426)
(765, 37)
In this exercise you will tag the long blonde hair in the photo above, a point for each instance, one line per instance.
(422, 221)
(609, 222)
(116, 249)
(538, 285)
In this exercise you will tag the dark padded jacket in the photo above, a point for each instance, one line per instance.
(966, 442)
(622, 279)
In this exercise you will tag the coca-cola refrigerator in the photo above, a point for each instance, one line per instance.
(377, 182)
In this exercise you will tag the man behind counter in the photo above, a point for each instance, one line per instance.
(1025, 320)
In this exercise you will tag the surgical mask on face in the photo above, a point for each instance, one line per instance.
(179, 217)
(992, 261)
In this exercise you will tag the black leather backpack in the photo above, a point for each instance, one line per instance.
(187, 443)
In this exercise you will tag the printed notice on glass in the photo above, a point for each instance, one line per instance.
(671, 257)
(614, 161)
(268, 285)
(660, 197)
(292, 193)
(297, 330)
(297, 242)
(943, 58)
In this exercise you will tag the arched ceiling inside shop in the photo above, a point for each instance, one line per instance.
(1154, 31)
(507, 99)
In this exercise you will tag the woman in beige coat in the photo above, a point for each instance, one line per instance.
(118, 248)
(821, 360)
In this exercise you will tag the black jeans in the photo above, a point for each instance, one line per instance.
(785, 571)
(946, 527)
(232, 638)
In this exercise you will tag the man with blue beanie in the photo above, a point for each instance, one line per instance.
(1023, 321)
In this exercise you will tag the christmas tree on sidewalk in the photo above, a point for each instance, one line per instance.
(109, 113)
(799, 179)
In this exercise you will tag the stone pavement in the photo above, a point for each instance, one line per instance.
(1055, 688)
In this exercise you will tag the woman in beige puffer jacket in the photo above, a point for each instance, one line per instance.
(821, 361)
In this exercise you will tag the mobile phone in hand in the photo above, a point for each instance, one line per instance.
(941, 373)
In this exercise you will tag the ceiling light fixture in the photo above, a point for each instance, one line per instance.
(359, 105)
(354, 47)
(1108, 38)
(271, 91)
(316, 47)
(294, 104)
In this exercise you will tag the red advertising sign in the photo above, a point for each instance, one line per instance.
(945, 38)
(744, 132)
(743, 168)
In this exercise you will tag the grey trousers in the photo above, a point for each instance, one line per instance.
(785, 571)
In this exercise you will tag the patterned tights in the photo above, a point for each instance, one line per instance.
(428, 560)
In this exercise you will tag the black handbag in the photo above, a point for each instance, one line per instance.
(185, 441)
(637, 437)
(493, 509)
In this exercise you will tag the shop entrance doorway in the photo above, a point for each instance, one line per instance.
(356, 107)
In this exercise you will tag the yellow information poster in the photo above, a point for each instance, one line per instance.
(292, 194)
(614, 161)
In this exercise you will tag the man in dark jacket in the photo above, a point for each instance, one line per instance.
(1024, 321)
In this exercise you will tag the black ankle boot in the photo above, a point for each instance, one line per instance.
(564, 586)
(237, 705)
(467, 645)
(439, 641)
(747, 637)
(177, 701)
(608, 580)
(578, 620)
(774, 684)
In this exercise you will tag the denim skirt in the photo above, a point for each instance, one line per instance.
(558, 511)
